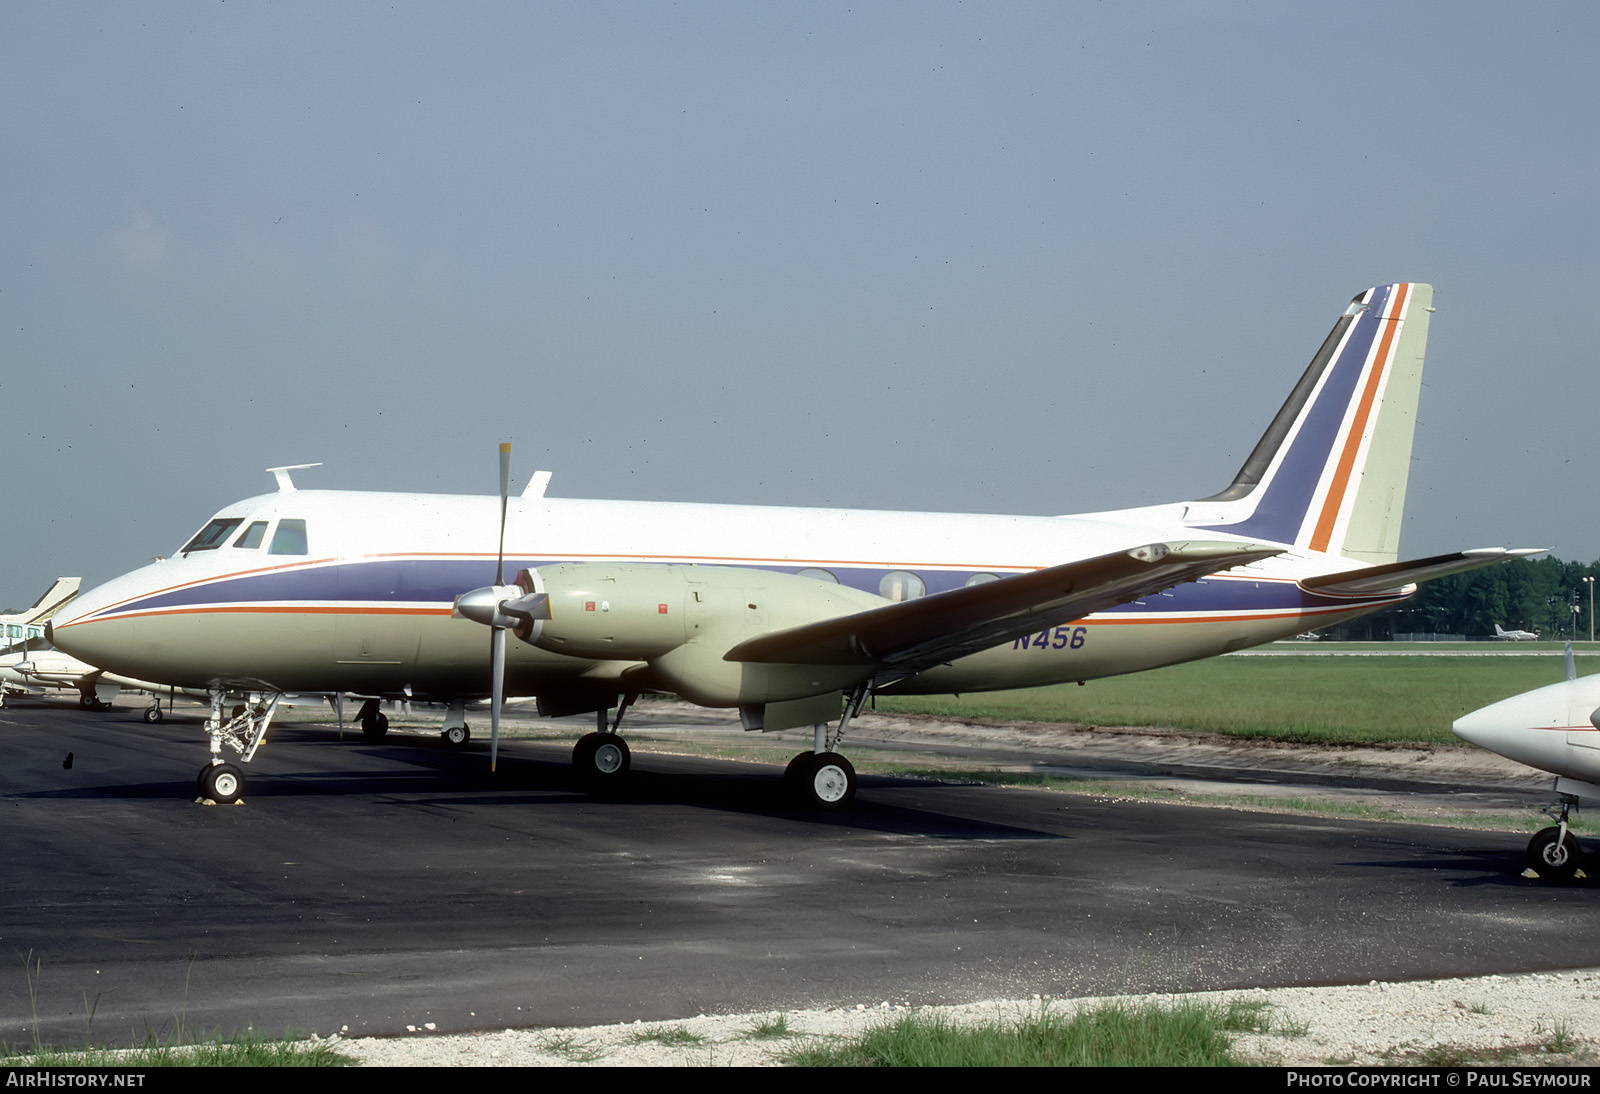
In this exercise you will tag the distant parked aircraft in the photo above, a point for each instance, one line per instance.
(1515, 636)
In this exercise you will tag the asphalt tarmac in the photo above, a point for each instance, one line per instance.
(376, 888)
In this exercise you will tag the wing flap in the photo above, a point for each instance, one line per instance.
(914, 635)
(1395, 576)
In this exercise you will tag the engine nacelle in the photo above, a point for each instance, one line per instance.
(680, 620)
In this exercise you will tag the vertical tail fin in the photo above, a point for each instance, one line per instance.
(56, 597)
(1330, 472)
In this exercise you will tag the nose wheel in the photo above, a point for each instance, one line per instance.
(222, 783)
(1554, 853)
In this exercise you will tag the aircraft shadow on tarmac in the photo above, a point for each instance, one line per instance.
(420, 771)
(1489, 865)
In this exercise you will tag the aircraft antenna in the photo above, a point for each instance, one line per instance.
(285, 483)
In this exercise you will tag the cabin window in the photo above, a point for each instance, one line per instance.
(211, 536)
(816, 573)
(981, 579)
(253, 535)
(289, 539)
(901, 585)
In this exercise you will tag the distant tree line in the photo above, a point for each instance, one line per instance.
(1524, 594)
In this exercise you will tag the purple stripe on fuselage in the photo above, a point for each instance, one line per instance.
(1291, 492)
(440, 581)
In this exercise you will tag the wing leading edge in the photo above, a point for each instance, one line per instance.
(915, 635)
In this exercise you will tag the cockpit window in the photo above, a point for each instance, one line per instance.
(289, 539)
(211, 536)
(253, 535)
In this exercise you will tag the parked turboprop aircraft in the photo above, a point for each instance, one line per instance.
(1515, 636)
(37, 670)
(794, 616)
(1555, 728)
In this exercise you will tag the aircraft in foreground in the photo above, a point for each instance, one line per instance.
(1515, 636)
(1555, 728)
(793, 616)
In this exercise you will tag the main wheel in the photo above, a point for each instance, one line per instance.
(87, 700)
(794, 774)
(222, 783)
(824, 780)
(152, 715)
(1551, 856)
(456, 736)
(601, 757)
(375, 727)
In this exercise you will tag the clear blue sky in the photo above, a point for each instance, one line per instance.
(1007, 257)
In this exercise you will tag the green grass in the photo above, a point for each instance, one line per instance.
(245, 1050)
(569, 1048)
(674, 1036)
(1123, 1035)
(1321, 700)
(770, 1029)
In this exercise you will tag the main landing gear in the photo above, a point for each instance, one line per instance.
(241, 729)
(455, 732)
(374, 722)
(602, 758)
(821, 778)
(1554, 853)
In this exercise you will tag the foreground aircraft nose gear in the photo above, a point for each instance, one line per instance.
(1554, 853)
(243, 731)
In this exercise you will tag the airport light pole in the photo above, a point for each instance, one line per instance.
(1589, 581)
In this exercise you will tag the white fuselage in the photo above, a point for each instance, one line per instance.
(1551, 728)
(363, 604)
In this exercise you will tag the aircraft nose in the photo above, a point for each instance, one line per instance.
(1529, 728)
(1484, 728)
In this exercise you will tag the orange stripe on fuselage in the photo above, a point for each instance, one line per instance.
(1352, 442)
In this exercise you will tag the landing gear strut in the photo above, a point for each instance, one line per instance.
(1554, 853)
(455, 732)
(242, 730)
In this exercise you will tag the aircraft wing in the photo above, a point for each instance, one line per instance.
(915, 635)
(1396, 575)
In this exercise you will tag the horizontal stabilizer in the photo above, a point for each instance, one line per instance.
(1397, 575)
(914, 635)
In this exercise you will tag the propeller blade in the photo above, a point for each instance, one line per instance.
(505, 489)
(497, 658)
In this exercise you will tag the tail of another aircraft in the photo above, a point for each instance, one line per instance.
(56, 597)
(1330, 472)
